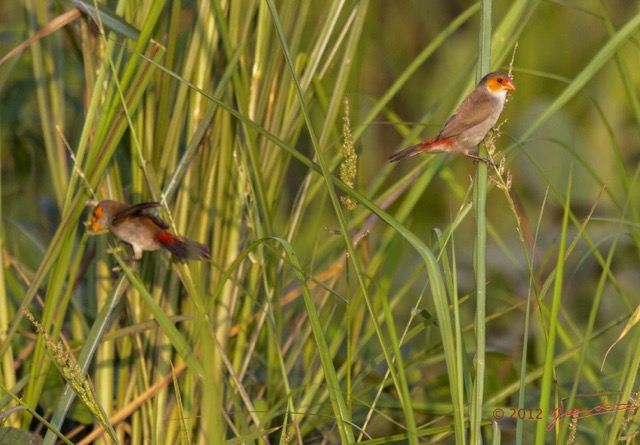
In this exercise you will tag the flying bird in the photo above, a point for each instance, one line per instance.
(144, 231)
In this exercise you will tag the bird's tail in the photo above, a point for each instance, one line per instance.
(427, 145)
(183, 248)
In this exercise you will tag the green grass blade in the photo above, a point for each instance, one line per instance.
(546, 389)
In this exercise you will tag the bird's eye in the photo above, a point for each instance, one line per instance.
(500, 79)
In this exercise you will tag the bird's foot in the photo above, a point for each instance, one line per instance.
(475, 158)
(112, 250)
(128, 261)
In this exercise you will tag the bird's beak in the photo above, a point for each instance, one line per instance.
(95, 219)
(509, 86)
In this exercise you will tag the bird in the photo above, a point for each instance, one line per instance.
(470, 123)
(143, 231)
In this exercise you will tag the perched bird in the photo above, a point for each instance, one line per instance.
(144, 231)
(470, 123)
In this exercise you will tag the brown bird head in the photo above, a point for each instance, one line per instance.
(496, 82)
(103, 214)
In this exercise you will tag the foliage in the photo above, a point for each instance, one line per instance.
(340, 301)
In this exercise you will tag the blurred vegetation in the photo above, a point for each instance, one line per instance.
(315, 322)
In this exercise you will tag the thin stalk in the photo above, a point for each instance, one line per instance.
(480, 201)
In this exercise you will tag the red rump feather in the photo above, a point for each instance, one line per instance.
(167, 238)
(182, 247)
(428, 145)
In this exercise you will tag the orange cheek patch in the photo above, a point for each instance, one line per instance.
(494, 85)
(500, 83)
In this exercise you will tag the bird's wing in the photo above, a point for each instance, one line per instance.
(477, 107)
(139, 210)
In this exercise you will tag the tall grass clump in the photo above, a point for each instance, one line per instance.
(346, 300)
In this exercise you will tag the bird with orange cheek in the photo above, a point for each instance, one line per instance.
(472, 120)
(144, 231)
